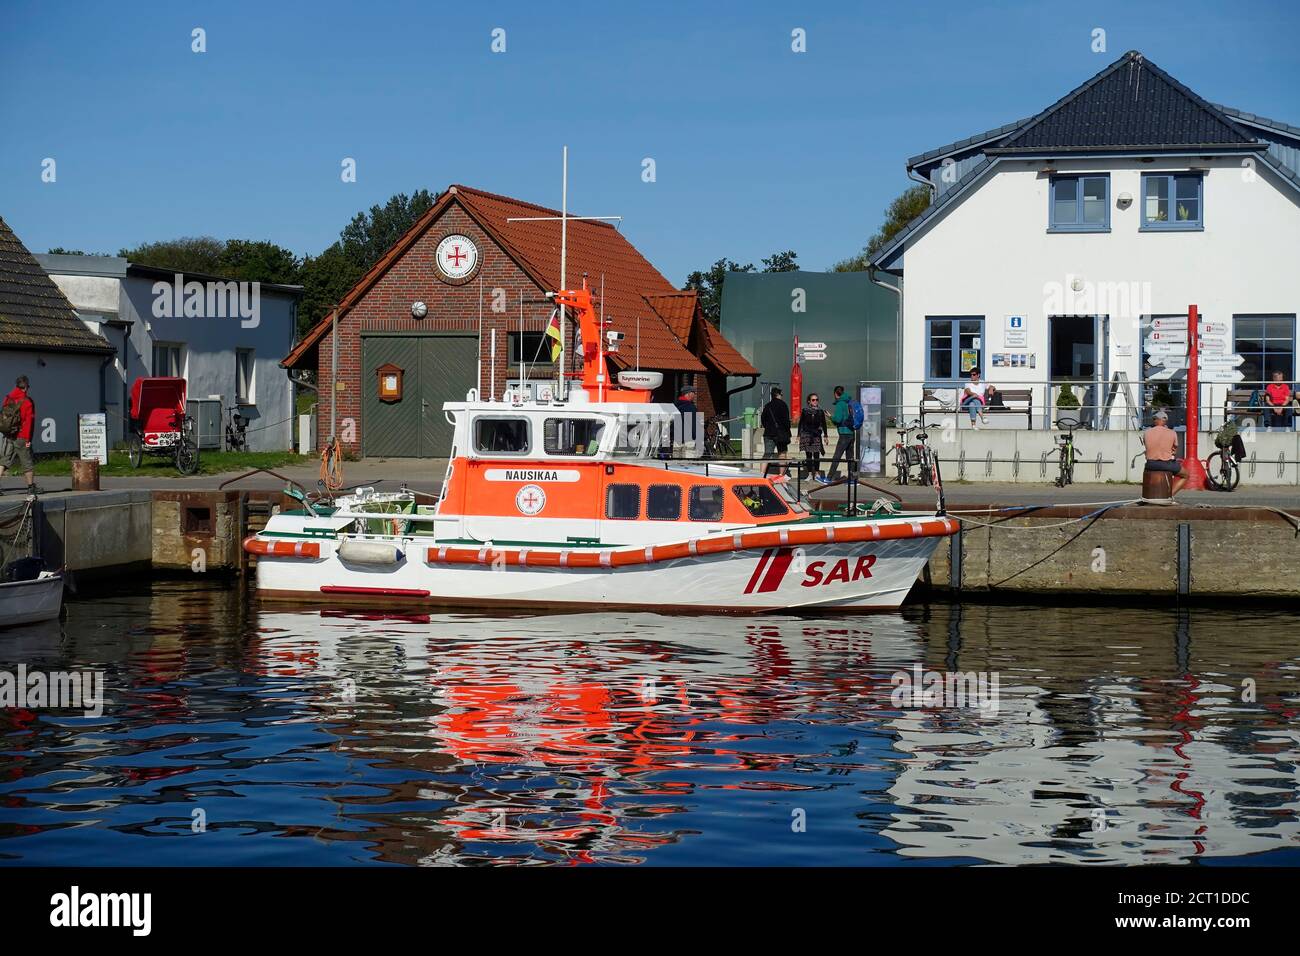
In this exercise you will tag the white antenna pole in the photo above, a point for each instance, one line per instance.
(564, 264)
(493, 396)
(478, 386)
(600, 339)
(523, 351)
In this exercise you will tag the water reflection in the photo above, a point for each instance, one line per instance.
(296, 736)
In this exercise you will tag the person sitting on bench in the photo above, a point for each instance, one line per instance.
(975, 396)
(1277, 402)
(1161, 444)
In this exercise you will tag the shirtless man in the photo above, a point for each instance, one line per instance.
(1161, 443)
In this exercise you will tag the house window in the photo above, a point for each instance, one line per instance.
(664, 503)
(1172, 201)
(530, 348)
(1080, 204)
(244, 377)
(955, 346)
(1267, 343)
(168, 359)
(501, 436)
(572, 436)
(706, 503)
(623, 501)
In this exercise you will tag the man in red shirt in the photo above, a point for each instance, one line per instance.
(1161, 443)
(1277, 395)
(18, 450)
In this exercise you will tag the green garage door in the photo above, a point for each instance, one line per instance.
(435, 369)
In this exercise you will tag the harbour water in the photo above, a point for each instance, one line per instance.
(239, 733)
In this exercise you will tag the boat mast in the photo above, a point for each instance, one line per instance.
(564, 218)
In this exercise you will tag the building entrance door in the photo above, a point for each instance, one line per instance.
(434, 369)
(1074, 358)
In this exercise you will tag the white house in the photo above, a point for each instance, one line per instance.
(1052, 242)
(224, 337)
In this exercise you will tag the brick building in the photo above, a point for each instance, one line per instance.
(414, 321)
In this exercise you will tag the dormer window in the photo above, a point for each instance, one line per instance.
(1172, 201)
(1079, 204)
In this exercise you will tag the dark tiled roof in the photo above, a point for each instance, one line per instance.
(34, 313)
(1132, 104)
(1251, 118)
(964, 144)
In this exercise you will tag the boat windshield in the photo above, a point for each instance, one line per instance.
(783, 489)
(640, 436)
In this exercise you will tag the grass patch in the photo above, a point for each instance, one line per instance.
(210, 463)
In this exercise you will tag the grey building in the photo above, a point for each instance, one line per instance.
(41, 337)
(224, 337)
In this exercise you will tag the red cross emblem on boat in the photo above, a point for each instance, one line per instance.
(530, 499)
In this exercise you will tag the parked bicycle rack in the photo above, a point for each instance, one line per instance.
(1014, 462)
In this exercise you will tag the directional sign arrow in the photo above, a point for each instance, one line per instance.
(1175, 335)
(1212, 328)
(813, 346)
(1166, 348)
(1221, 375)
(813, 356)
(1226, 361)
(1165, 325)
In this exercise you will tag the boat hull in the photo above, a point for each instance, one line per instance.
(28, 602)
(833, 576)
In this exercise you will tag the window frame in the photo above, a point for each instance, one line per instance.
(954, 338)
(600, 435)
(518, 353)
(1053, 225)
(766, 512)
(650, 489)
(528, 434)
(1295, 346)
(168, 347)
(249, 395)
(609, 488)
(1173, 225)
(691, 502)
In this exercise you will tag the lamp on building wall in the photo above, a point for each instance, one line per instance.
(419, 310)
(1124, 200)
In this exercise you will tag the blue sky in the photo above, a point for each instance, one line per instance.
(756, 148)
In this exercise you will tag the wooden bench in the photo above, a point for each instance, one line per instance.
(1238, 404)
(1015, 401)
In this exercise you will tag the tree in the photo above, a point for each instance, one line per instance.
(60, 251)
(901, 211)
(326, 279)
(260, 261)
(708, 285)
(370, 234)
(187, 254)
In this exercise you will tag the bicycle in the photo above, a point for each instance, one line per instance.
(908, 456)
(1066, 452)
(236, 431)
(717, 444)
(1221, 467)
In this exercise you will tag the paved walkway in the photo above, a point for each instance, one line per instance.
(425, 474)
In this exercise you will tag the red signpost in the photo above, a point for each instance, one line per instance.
(1192, 462)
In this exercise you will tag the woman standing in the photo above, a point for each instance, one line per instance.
(812, 434)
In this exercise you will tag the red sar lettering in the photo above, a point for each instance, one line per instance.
(813, 576)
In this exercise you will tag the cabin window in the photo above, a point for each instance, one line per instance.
(663, 503)
(706, 503)
(783, 489)
(501, 436)
(572, 436)
(759, 500)
(623, 501)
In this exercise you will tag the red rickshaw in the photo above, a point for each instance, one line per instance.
(159, 425)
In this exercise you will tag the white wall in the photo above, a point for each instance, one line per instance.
(992, 255)
(209, 357)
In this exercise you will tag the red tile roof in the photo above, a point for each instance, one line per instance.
(682, 314)
(595, 248)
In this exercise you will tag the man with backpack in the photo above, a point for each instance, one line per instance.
(17, 416)
(847, 419)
